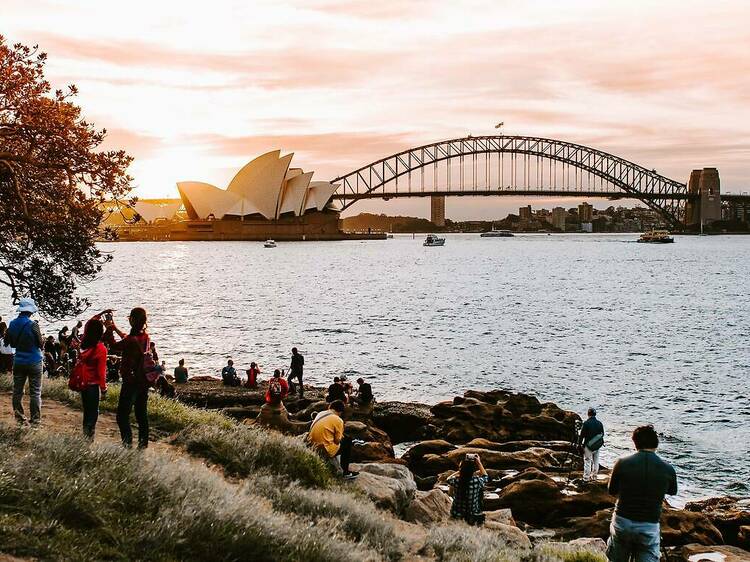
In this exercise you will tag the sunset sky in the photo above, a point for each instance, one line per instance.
(195, 90)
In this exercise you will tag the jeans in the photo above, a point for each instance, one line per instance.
(590, 464)
(90, 402)
(34, 374)
(635, 541)
(345, 452)
(133, 394)
(295, 375)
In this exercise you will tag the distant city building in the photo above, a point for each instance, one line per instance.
(585, 212)
(524, 213)
(587, 227)
(437, 210)
(558, 217)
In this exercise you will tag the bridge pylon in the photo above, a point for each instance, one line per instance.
(437, 210)
(704, 188)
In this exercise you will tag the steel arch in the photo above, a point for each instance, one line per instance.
(662, 194)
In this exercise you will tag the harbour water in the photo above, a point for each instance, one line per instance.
(646, 334)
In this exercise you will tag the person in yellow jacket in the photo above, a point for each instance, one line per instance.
(327, 437)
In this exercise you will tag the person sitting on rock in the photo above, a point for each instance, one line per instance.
(640, 482)
(229, 375)
(181, 372)
(336, 392)
(591, 439)
(364, 393)
(326, 436)
(252, 375)
(278, 389)
(468, 490)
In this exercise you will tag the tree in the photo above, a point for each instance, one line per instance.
(52, 184)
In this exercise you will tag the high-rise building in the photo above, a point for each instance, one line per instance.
(559, 214)
(585, 212)
(524, 213)
(437, 210)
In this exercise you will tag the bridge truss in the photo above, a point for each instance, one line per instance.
(512, 165)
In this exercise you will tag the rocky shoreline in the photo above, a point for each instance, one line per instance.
(535, 490)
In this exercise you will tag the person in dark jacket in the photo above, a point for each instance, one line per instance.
(134, 388)
(640, 482)
(364, 393)
(295, 372)
(24, 335)
(336, 392)
(591, 439)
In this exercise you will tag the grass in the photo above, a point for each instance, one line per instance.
(63, 500)
(163, 413)
(243, 451)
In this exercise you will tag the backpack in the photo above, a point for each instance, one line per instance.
(595, 443)
(274, 388)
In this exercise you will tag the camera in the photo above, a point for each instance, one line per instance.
(472, 457)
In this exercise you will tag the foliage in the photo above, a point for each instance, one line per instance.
(52, 179)
(243, 451)
(65, 500)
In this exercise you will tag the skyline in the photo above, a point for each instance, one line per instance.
(194, 94)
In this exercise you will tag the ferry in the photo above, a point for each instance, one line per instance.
(656, 237)
(269, 243)
(433, 240)
(494, 233)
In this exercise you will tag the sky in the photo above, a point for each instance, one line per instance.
(194, 90)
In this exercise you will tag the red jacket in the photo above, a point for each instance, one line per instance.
(284, 391)
(94, 362)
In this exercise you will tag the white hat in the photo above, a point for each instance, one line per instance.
(27, 305)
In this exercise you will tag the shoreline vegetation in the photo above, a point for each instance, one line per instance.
(226, 484)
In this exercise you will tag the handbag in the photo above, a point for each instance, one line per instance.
(595, 443)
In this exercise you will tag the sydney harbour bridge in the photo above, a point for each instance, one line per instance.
(532, 166)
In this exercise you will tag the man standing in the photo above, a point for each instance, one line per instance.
(591, 439)
(640, 483)
(24, 335)
(295, 371)
(327, 437)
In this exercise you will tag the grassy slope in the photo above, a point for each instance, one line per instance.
(62, 499)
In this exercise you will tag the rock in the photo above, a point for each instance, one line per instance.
(596, 525)
(743, 537)
(372, 451)
(389, 486)
(513, 536)
(277, 417)
(501, 416)
(242, 412)
(504, 516)
(428, 508)
(589, 543)
(680, 527)
(527, 474)
(404, 421)
(701, 553)
(432, 464)
(513, 446)
(728, 514)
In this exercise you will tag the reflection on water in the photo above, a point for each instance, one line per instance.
(644, 333)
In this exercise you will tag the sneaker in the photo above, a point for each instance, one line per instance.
(351, 475)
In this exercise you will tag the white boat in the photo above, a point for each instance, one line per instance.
(433, 240)
(656, 237)
(269, 244)
(494, 233)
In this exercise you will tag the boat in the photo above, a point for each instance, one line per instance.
(656, 237)
(494, 233)
(433, 240)
(269, 244)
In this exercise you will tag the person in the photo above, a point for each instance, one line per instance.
(326, 436)
(50, 356)
(278, 389)
(348, 387)
(74, 333)
(229, 375)
(295, 371)
(152, 347)
(468, 490)
(591, 440)
(165, 388)
(180, 372)
(336, 391)
(134, 388)
(113, 369)
(364, 393)
(252, 375)
(93, 357)
(6, 351)
(24, 335)
(640, 482)
(62, 336)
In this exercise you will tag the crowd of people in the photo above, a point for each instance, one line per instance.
(103, 353)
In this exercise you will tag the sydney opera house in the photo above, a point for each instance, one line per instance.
(267, 198)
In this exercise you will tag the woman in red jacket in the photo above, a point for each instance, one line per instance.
(93, 356)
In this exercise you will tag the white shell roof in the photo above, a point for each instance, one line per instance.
(294, 194)
(149, 212)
